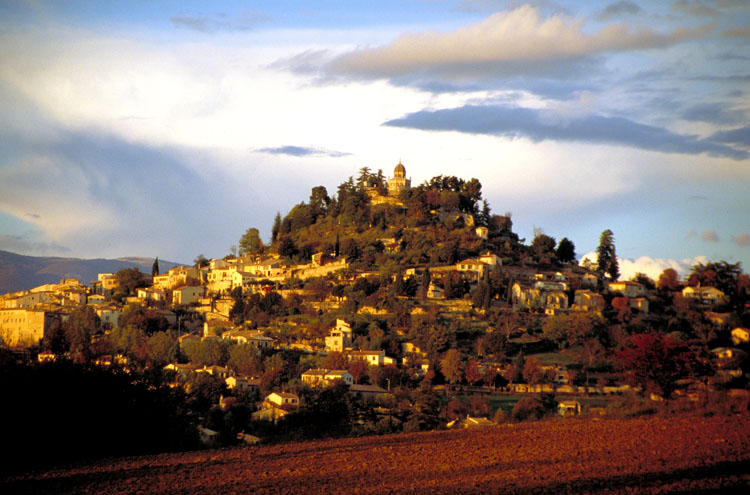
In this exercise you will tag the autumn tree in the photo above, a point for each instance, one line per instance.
(657, 362)
(245, 360)
(452, 366)
(606, 256)
(335, 361)
(472, 372)
(359, 370)
(669, 280)
(532, 371)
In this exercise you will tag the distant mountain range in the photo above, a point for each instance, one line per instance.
(19, 272)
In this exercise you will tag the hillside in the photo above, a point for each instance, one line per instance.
(653, 455)
(19, 272)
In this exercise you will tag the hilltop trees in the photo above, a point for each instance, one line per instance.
(543, 247)
(250, 242)
(566, 251)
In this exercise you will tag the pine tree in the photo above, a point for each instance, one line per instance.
(606, 256)
(276, 227)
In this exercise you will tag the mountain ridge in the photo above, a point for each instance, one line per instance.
(21, 272)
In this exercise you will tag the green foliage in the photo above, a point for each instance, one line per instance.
(128, 280)
(276, 228)
(206, 352)
(200, 261)
(203, 391)
(566, 251)
(244, 358)
(250, 242)
(78, 329)
(162, 348)
(543, 248)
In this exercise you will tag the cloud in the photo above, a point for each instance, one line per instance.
(506, 43)
(619, 8)
(695, 8)
(20, 244)
(211, 23)
(302, 151)
(98, 195)
(737, 32)
(538, 125)
(731, 56)
(652, 266)
(714, 113)
(742, 240)
(739, 136)
(710, 236)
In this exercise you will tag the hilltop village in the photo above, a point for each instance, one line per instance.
(388, 307)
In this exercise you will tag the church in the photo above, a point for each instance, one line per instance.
(398, 182)
(395, 185)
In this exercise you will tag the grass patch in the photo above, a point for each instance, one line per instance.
(553, 358)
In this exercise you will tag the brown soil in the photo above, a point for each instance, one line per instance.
(652, 455)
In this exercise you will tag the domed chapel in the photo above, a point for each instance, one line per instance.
(398, 182)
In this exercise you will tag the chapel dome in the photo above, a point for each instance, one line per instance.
(399, 171)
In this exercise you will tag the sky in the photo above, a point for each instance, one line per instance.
(168, 128)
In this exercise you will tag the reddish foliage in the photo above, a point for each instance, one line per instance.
(472, 373)
(657, 362)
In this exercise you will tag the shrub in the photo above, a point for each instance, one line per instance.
(527, 409)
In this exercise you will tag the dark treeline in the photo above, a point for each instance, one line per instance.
(63, 412)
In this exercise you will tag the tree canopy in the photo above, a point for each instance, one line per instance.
(250, 242)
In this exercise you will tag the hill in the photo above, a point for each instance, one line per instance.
(682, 454)
(19, 272)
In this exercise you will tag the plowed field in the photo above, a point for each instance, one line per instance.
(653, 455)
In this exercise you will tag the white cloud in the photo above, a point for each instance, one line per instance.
(57, 192)
(515, 37)
(653, 267)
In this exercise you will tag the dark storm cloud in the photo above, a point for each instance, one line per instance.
(619, 8)
(302, 151)
(538, 126)
(714, 113)
(738, 137)
(211, 23)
